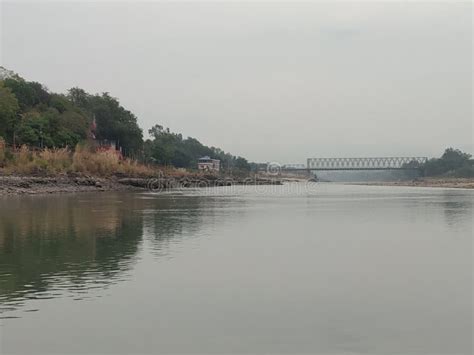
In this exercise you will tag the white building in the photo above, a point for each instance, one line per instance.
(208, 164)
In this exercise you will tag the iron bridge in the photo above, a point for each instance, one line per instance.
(380, 163)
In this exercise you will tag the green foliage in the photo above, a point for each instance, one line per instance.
(466, 171)
(242, 164)
(114, 122)
(28, 93)
(60, 103)
(73, 128)
(168, 148)
(32, 116)
(8, 111)
(452, 163)
(51, 129)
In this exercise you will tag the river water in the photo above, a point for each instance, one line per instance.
(293, 269)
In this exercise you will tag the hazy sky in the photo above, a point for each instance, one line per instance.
(269, 81)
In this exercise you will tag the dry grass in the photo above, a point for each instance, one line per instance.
(84, 160)
(26, 161)
(107, 163)
(133, 168)
(54, 161)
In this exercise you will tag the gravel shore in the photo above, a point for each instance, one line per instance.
(32, 185)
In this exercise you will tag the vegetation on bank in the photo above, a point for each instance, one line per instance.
(45, 132)
(168, 148)
(32, 116)
(81, 160)
(453, 163)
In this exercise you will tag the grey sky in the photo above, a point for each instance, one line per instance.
(268, 81)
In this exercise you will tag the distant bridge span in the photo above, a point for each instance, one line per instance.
(380, 163)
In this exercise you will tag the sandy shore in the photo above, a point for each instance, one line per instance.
(428, 182)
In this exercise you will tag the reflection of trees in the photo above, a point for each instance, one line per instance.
(457, 206)
(74, 240)
(180, 216)
(67, 245)
(454, 205)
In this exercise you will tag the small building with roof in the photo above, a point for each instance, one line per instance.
(208, 164)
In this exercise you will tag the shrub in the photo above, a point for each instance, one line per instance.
(85, 160)
(466, 171)
(452, 161)
(2, 151)
(107, 163)
(133, 168)
(54, 160)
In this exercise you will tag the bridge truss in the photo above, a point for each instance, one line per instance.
(381, 163)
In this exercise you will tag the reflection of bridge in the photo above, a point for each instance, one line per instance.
(382, 163)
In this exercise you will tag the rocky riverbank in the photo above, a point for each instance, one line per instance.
(17, 185)
(429, 182)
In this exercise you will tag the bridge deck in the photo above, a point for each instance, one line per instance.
(376, 163)
(345, 169)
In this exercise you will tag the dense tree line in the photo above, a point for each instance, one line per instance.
(114, 122)
(453, 163)
(31, 115)
(168, 148)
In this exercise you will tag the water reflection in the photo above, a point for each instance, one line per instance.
(65, 245)
(173, 218)
(457, 208)
(342, 269)
(71, 245)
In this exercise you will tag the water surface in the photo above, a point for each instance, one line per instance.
(320, 269)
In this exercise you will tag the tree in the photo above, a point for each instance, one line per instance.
(454, 158)
(37, 117)
(28, 93)
(453, 162)
(60, 103)
(242, 164)
(114, 122)
(79, 97)
(167, 147)
(8, 113)
(37, 129)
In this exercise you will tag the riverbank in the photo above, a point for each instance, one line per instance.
(33, 185)
(459, 183)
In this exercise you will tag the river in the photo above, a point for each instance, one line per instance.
(292, 269)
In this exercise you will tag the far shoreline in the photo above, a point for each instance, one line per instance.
(456, 183)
